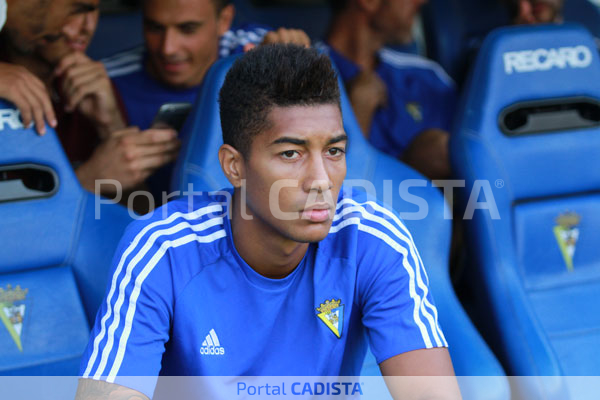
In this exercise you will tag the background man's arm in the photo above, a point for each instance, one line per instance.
(367, 92)
(425, 374)
(428, 154)
(90, 389)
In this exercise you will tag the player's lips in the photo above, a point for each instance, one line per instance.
(173, 66)
(78, 45)
(319, 212)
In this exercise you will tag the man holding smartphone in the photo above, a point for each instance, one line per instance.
(183, 38)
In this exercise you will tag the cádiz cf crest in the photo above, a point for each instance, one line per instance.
(567, 234)
(415, 110)
(12, 311)
(332, 314)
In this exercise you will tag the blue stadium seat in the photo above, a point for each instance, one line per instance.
(198, 166)
(54, 253)
(455, 29)
(529, 125)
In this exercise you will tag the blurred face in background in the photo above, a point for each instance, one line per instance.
(27, 22)
(182, 38)
(395, 19)
(537, 11)
(79, 22)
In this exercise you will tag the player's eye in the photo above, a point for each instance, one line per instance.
(335, 152)
(290, 155)
(188, 29)
(152, 27)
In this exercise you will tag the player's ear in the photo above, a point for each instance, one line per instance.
(226, 18)
(232, 163)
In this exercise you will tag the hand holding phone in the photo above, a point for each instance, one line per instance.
(172, 115)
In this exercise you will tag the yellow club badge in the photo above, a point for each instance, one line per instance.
(567, 234)
(415, 111)
(332, 314)
(12, 311)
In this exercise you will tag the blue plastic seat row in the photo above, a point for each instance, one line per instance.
(455, 29)
(529, 128)
(54, 253)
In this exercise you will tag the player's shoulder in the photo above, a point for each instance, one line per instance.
(415, 63)
(124, 63)
(199, 217)
(363, 224)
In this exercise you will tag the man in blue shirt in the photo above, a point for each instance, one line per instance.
(182, 40)
(404, 103)
(45, 72)
(286, 274)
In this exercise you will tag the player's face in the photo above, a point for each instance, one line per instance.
(546, 11)
(538, 11)
(395, 19)
(294, 172)
(182, 38)
(80, 19)
(27, 21)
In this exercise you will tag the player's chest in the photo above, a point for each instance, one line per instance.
(239, 329)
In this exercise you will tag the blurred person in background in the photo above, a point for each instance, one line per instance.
(535, 11)
(182, 39)
(404, 103)
(43, 44)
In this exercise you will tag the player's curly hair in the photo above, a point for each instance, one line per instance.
(268, 76)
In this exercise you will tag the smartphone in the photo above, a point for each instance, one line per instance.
(172, 115)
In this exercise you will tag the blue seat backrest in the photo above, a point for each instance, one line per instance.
(199, 167)
(54, 253)
(455, 29)
(443, 26)
(520, 66)
(529, 126)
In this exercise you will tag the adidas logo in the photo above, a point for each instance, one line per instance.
(211, 345)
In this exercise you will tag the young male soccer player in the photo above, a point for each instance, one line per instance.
(287, 274)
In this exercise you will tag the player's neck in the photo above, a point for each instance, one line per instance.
(353, 38)
(263, 249)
